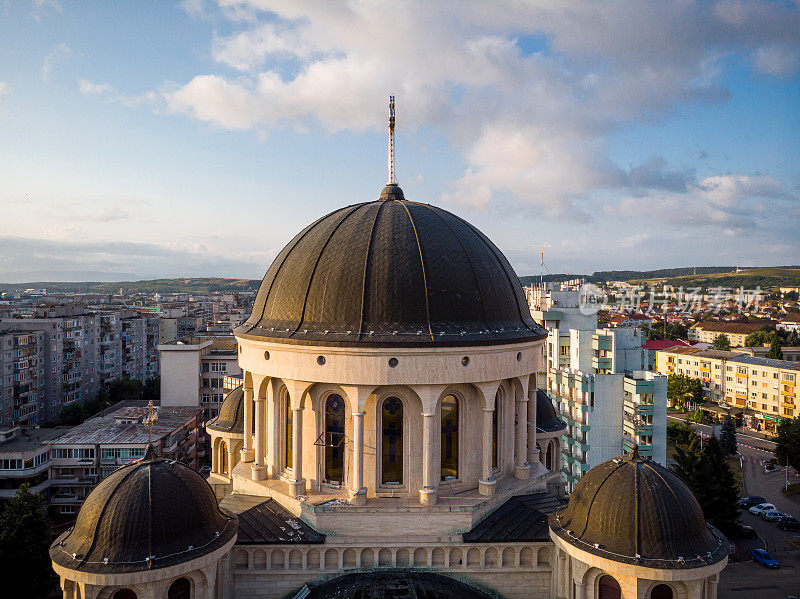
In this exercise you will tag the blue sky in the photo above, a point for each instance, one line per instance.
(196, 138)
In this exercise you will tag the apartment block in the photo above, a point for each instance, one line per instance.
(193, 370)
(765, 390)
(75, 350)
(25, 459)
(22, 368)
(707, 331)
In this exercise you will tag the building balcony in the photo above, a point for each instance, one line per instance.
(602, 342)
(601, 363)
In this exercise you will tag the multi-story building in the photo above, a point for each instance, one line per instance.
(87, 453)
(765, 390)
(75, 350)
(25, 459)
(708, 330)
(193, 369)
(22, 368)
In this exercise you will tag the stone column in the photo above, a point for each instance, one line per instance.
(67, 589)
(428, 494)
(258, 469)
(247, 450)
(561, 583)
(231, 453)
(522, 469)
(298, 484)
(580, 590)
(358, 493)
(486, 485)
(712, 587)
(533, 453)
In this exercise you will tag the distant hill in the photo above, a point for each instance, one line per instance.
(788, 276)
(181, 285)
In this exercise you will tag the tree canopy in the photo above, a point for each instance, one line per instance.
(722, 342)
(727, 436)
(24, 542)
(683, 389)
(708, 474)
(787, 443)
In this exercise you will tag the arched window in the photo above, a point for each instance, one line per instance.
(334, 439)
(124, 594)
(608, 588)
(180, 589)
(287, 432)
(548, 459)
(223, 458)
(449, 437)
(495, 439)
(661, 591)
(392, 441)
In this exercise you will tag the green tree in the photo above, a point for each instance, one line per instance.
(722, 342)
(24, 543)
(152, 390)
(787, 443)
(775, 349)
(707, 473)
(727, 436)
(698, 416)
(680, 433)
(683, 390)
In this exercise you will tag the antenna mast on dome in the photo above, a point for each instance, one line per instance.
(392, 180)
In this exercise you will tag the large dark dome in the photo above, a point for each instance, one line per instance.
(633, 510)
(150, 514)
(391, 273)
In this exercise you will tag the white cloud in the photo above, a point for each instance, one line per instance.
(59, 53)
(40, 7)
(777, 60)
(89, 88)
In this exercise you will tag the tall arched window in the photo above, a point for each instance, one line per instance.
(124, 594)
(392, 441)
(180, 589)
(661, 591)
(287, 432)
(495, 439)
(334, 439)
(548, 460)
(608, 588)
(449, 437)
(223, 458)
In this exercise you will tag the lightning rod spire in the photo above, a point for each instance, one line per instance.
(392, 180)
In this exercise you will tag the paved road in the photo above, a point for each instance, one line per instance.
(748, 580)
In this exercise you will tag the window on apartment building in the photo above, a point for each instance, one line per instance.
(206, 397)
(205, 366)
(764, 407)
(564, 350)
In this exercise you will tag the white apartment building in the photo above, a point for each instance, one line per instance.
(598, 378)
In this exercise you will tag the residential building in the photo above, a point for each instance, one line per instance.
(193, 369)
(708, 330)
(64, 354)
(762, 389)
(22, 368)
(87, 453)
(599, 380)
(25, 459)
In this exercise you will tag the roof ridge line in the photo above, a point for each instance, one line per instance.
(367, 262)
(422, 263)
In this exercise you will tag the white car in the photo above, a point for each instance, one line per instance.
(761, 508)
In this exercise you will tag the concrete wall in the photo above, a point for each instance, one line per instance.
(180, 372)
(605, 435)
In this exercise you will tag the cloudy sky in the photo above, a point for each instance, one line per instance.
(196, 138)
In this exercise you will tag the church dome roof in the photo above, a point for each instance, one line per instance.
(391, 273)
(231, 414)
(546, 418)
(633, 510)
(149, 514)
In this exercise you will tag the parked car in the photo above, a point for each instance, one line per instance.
(751, 501)
(764, 558)
(746, 532)
(788, 523)
(772, 515)
(759, 509)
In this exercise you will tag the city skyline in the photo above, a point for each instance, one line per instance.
(195, 139)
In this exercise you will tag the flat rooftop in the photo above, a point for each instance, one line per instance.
(125, 426)
(29, 439)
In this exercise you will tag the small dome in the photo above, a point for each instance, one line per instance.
(547, 419)
(231, 415)
(633, 510)
(150, 514)
(391, 273)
